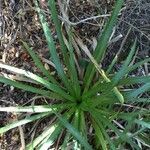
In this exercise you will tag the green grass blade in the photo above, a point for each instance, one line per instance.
(74, 131)
(52, 49)
(129, 80)
(29, 88)
(65, 142)
(143, 123)
(76, 119)
(70, 64)
(138, 100)
(27, 109)
(135, 93)
(112, 146)
(38, 63)
(83, 126)
(121, 135)
(22, 122)
(120, 74)
(72, 67)
(40, 80)
(102, 44)
(138, 64)
(35, 109)
(116, 56)
(101, 86)
(79, 122)
(103, 130)
(54, 14)
(134, 80)
(48, 142)
(100, 136)
(48, 131)
(101, 72)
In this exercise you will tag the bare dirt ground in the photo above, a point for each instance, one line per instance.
(18, 20)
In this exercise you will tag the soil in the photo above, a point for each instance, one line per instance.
(19, 20)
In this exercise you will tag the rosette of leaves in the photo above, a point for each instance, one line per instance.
(89, 112)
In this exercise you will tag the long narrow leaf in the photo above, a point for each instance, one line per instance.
(102, 44)
(102, 128)
(52, 49)
(39, 63)
(120, 74)
(134, 80)
(116, 56)
(72, 68)
(29, 88)
(22, 122)
(130, 80)
(100, 136)
(74, 132)
(48, 142)
(102, 86)
(138, 64)
(54, 14)
(44, 82)
(135, 93)
(143, 123)
(35, 109)
(101, 72)
(48, 131)
(122, 136)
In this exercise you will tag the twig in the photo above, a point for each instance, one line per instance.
(84, 20)
(22, 138)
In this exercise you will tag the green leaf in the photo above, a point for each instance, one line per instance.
(138, 64)
(107, 123)
(35, 109)
(74, 131)
(120, 74)
(109, 140)
(48, 131)
(99, 134)
(29, 88)
(70, 64)
(39, 63)
(103, 131)
(125, 81)
(138, 100)
(135, 93)
(71, 67)
(102, 44)
(134, 80)
(83, 126)
(116, 56)
(54, 14)
(52, 49)
(100, 71)
(143, 123)
(22, 122)
(40, 80)
(51, 139)
(121, 135)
